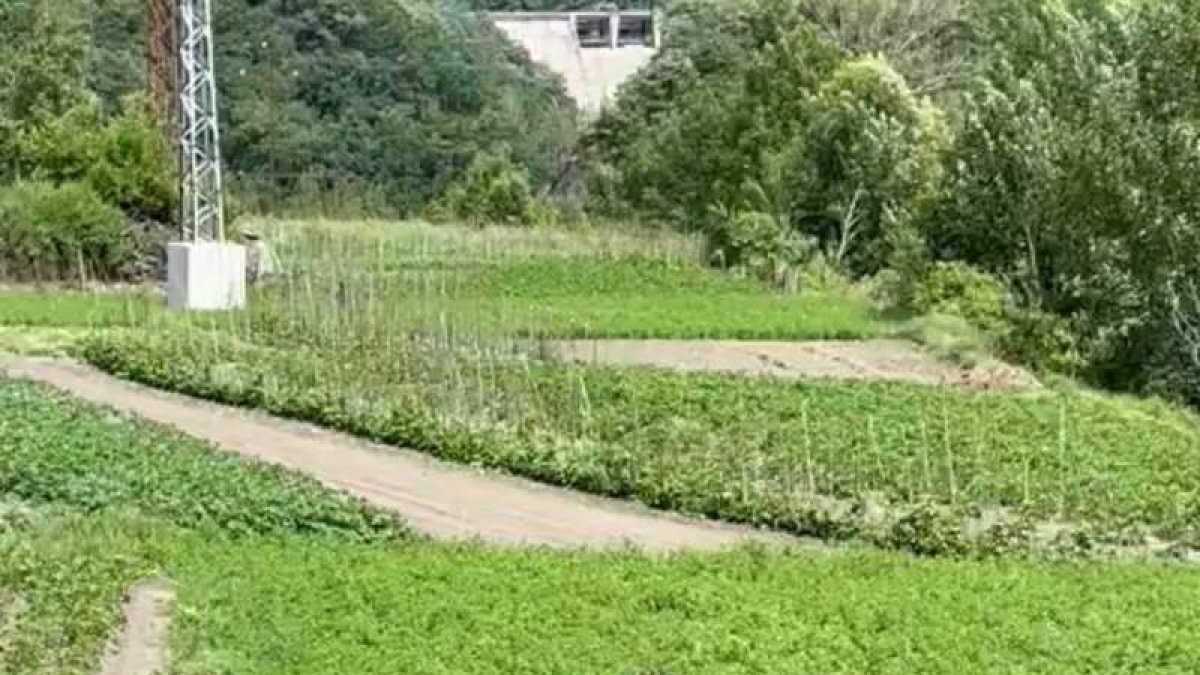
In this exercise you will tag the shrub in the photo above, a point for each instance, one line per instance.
(959, 290)
(49, 231)
(758, 237)
(1043, 341)
(493, 190)
(896, 288)
(871, 149)
(123, 158)
(757, 243)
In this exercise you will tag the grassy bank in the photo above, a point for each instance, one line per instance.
(304, 592)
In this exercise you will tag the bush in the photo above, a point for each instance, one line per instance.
(757, 243)
(957, 289)
(493, 190)
(758, 237)
(123, 158)
(870, 151)
(1043, 341)
(51, 232)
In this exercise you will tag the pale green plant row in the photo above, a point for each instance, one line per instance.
(862, 460)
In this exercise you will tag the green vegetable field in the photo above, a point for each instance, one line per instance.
(799, 456)
(599, 337)
(289, 578)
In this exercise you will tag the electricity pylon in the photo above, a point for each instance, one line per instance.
(184, 94)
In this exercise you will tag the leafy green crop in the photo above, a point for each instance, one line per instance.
(292, 603)
(56, 451)
(61, 581)
(277, 607)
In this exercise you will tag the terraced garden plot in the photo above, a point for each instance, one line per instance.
(827, 459)
(292, 595)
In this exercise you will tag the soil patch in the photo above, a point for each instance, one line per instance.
(885, 360)
(141, 647)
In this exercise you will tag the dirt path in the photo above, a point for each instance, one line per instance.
(892, 360)
(443, 500)
(141, 648)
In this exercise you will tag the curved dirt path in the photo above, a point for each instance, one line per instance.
(443, 500)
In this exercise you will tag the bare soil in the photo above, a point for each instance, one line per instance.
(443, 500)
(880, 360)
(141, 648)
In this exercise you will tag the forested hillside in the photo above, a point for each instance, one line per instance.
(1029, 166)
(355, 106)
(387, 101)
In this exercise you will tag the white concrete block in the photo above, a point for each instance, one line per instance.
(206, 276)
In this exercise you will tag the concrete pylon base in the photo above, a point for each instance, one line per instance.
(206, 276)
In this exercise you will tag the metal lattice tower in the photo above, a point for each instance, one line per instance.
(203, 215)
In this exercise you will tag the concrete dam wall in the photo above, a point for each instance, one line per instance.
(594, 52)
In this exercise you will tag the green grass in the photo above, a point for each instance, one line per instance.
(278, 608)
(493, 282)
(55, 309)
(791, 455)
(505, 282)
(40, 341)
(296, 599)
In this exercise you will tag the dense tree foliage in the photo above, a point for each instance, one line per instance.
(73, 177)
(384, 104)
(1075, 179)
(1053, 145)
(561, 5)
(378, 97)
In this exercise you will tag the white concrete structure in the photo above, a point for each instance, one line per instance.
(594, 52)
(206, 276)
